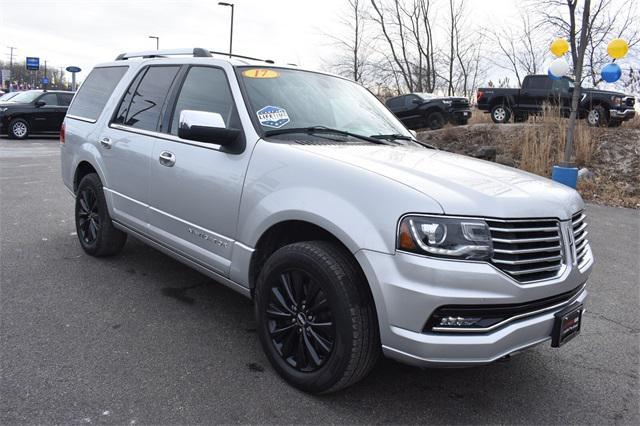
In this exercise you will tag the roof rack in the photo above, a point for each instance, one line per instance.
(196, 52)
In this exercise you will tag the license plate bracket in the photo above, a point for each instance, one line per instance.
(567, 324)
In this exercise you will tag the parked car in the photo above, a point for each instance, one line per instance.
(301, 191)
(7, 96)
(599, 107)
(34, 111)
(425, 110)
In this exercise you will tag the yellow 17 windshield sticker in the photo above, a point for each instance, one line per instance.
(261, 73)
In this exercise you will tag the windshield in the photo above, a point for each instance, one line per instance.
(7, 96)
(25, 97)
(284, 98)
(426, 96)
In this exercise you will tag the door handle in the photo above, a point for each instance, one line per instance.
(167, 158)
(106, 143)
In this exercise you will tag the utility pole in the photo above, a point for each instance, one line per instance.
(44, 85)
(222, 3)
(11, 48)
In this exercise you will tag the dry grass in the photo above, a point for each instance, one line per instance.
(543, 143)
(633, 123)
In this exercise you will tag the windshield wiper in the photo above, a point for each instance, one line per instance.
(398, 136)
(323, 129)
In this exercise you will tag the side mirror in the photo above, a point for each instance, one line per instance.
(39, 104)
(207, 127)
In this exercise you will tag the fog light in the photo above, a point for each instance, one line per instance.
(458, 321)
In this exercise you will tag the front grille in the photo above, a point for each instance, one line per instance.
(580, 236)
(460, 103)
(527, 250)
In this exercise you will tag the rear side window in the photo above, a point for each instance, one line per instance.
(541, 82)
(395, 103)
(141, 106)
(64, 99)
(96, 91)
(206, 89)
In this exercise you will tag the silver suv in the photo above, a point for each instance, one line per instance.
(302, 191)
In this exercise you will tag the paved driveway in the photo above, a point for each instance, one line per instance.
(140, 338)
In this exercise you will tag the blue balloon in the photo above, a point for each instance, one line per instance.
(611, 73)
(552, 77)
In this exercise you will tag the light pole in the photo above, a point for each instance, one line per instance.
(222, 3)
(157, 41)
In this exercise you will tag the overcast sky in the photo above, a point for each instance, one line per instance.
(87, 32)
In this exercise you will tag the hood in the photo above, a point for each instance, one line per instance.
(461, 185)
(603, 92)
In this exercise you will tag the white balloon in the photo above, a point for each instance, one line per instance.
(559, 67)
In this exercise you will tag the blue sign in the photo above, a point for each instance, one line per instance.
(273, 116)
(33, 63)
(45, 80)
(73, 69)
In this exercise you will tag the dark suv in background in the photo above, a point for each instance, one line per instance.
(34, 111)
(425, 110)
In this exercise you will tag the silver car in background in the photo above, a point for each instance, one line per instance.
(302, 191)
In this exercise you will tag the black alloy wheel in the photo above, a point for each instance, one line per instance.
(301, 323)
(88, 215)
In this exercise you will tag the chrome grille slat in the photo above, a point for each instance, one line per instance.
(534, 270)
(527, 249)
(580, 233)
(525, 240)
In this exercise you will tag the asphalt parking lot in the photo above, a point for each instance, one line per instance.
(140, 338)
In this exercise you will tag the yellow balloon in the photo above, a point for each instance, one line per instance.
(559, 47)
(617, 48)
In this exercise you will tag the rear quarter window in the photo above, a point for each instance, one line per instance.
(95, 92)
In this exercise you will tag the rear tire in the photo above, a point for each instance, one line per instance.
(94, 227)
(18, 129)
(435, 120)
(316, 319)
(500, 114)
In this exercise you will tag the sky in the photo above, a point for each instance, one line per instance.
(87, 32)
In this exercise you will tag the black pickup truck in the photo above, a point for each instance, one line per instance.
(421, 110)
(599, 107)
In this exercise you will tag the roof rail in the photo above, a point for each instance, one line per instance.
(196, 52)
(269, 61)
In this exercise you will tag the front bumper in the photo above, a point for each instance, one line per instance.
(459, 115)
(626, 114)
(407, 289)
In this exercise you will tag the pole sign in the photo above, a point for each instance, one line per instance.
(33, 64)
(45, 80)
(73, 69)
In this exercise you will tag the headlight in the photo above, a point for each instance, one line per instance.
(3, 109)
(446, 101)
(452, 238)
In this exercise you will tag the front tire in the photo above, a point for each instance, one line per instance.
(94, 227)
(435, 120)
(500, 114)
(18, 129)
(316, 319)
(597, 117)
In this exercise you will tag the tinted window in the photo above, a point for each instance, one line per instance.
(206, 89)
(561, 85)
(123, 109)
(96, 91)
(541, 82)
(49, 99)
(394, 103)
(142, 105)
(64, 99)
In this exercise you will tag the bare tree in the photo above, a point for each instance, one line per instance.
(354, 48)
(519, 51)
